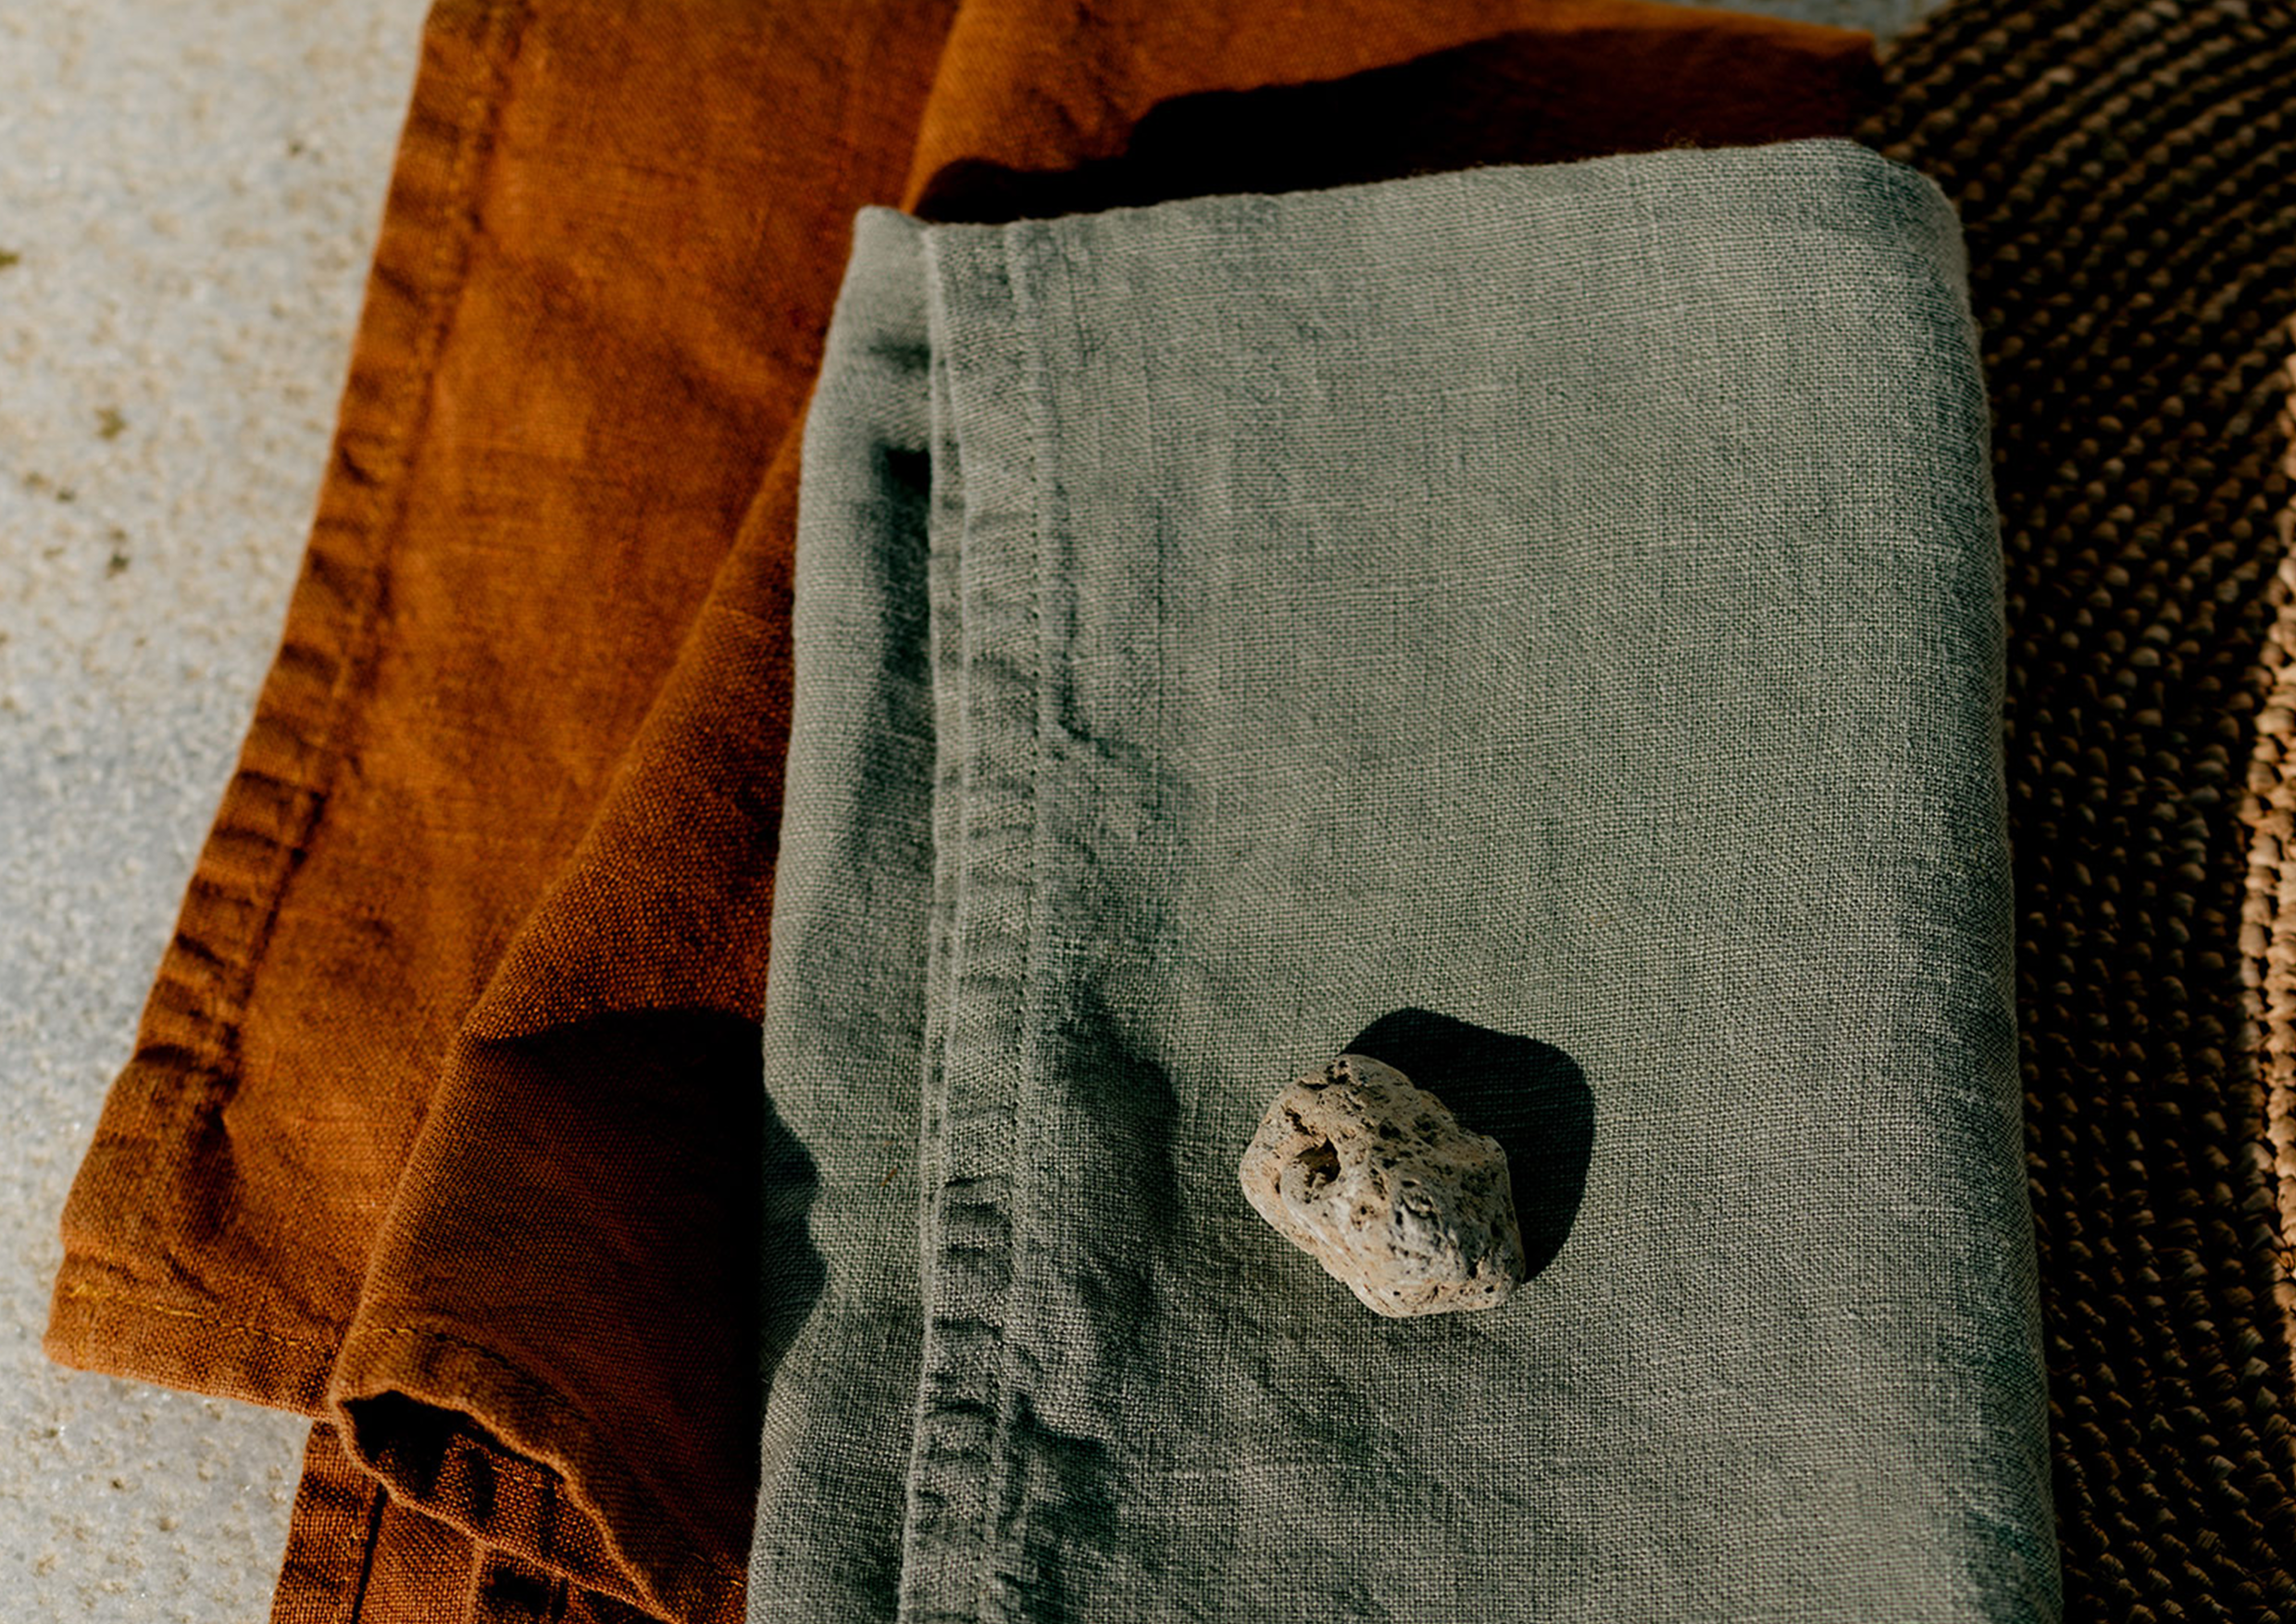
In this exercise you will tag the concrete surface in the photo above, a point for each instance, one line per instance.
(188, 199)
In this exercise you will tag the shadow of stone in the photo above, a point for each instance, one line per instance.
(792, 1273)
(1529, 1096)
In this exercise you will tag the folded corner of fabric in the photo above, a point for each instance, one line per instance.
(477, 1440)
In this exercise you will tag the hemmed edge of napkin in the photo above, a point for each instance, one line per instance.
(359, 1555)
(127, 1302)
(405, 1399)
(355, 1554)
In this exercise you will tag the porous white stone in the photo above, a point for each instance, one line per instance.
(1375, 1179)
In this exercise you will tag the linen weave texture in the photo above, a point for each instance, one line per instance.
(440, 1121)
(1557, 610)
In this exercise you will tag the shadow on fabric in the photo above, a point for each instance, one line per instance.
(792, 1273)
(1530, 95)
(1529, 1096)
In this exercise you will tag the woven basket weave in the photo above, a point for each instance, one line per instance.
(2127, 174)
(2268, 921)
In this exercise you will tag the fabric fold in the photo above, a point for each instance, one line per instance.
(611, 243)
(459, 1162)
(1542, 624)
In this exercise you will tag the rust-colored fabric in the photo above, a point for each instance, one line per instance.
(1053, 106)
(356, 1551)
(614, 233)
(353, 1550)
(443, 1124)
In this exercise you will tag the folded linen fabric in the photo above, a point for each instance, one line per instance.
(603, 1073)
(479, 1190)
(1540, 627)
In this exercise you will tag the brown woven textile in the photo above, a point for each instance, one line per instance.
(2269, 920)
(357, 1550)
(353, 1544)
(483, 1194)
(1050, 107)
(2127, 174)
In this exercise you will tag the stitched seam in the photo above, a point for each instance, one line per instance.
(1005, 1471)
(509, 30)
(690, 1551)
(386, 516)
(220, 1323)
(192, 1314)
(558, 1399)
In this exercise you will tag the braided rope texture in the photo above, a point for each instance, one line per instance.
(2126, 171)
(2268, 918)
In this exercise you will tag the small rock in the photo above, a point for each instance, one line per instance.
(1375, 1179)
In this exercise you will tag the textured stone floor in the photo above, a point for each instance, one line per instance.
(188, 198)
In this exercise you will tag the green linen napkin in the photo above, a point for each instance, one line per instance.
(1542, 628)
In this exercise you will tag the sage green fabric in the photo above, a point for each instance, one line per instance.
(1543, 627)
